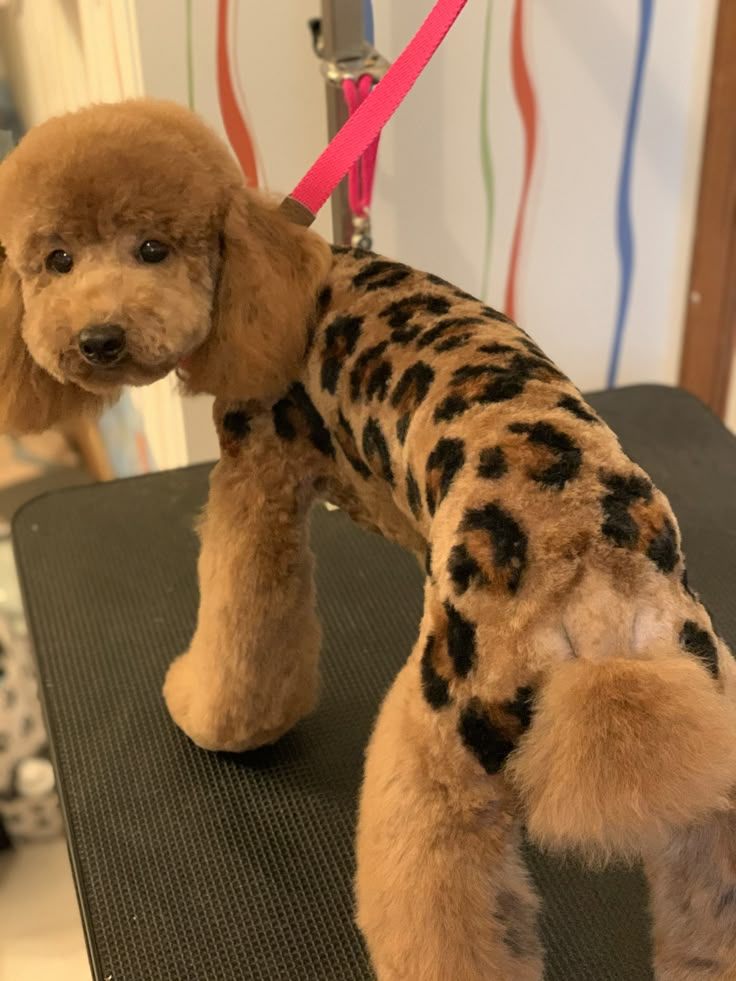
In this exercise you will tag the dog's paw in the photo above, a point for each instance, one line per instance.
(199, 708)
(217, 717)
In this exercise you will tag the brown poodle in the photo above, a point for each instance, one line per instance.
(564, 675)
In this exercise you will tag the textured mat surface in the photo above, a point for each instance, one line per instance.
(197, 866)
(16, 495)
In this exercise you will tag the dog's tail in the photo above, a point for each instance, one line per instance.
(622, 749)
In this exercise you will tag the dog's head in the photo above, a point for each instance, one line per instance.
(130, 247)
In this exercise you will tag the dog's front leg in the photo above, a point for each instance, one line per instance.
(251, 671)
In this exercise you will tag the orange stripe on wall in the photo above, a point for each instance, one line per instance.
(526, 100)
(235, 127)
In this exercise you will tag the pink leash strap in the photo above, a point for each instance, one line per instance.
(361, 174)
(366, 123)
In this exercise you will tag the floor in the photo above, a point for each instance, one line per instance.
(40, 929)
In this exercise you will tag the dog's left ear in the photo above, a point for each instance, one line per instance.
(30, 399)
(270, 274)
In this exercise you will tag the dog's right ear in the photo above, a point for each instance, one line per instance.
(270, 274)
(30, 399)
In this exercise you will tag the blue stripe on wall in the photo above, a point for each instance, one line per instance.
(623, 210)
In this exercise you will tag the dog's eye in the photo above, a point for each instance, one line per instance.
(59, 261)
(153, 251)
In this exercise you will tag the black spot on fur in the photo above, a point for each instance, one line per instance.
(490, 383)
(452, 343)
(409, 393)
(296, 414)
(340, 339)
(536, 350)
(486, 742)
(508, 541)
(492, 463)
(367, 364)
(468, 372)
(405, 334)
(381, 274)
(415, 382)
(428, 561)
(497, 348)
(686, 585)
(577, 408)
(324, 299)
(447, 460)
(496, 315)
(450, 408)
(346, 439)
(567, 454)
(379, 381)
(413, 494)
(402, 427)
(462, 568)
(455, 290)
(460, 640)
(434, 687)
(699, 642)
(521, 707)
(375, 445)
(623, 492)
(538, 358)
(663, 549)
(236, 423)
(442, 327)
(401, 311)
(282, 419)
(438, 281)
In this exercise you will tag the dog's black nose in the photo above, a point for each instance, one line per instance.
(102, 344)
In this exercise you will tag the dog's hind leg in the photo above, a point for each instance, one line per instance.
(692, 881)
(251, 671)
(442, 893)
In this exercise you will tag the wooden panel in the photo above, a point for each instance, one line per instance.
(710, 331)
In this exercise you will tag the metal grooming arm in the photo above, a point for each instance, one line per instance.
(339, 42)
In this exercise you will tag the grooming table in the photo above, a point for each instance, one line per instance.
(197, 866)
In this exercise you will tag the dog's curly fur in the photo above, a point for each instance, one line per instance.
(564, 671)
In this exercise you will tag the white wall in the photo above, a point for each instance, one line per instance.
(63, 54)
(430, 200)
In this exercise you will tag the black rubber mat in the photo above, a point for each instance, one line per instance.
(199, 867)
(15, 496)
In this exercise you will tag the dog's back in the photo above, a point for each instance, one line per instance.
(556, 593)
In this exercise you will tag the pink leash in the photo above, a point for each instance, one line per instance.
(362, 172)
(361, 131)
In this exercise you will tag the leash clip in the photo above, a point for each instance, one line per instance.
(371, 63)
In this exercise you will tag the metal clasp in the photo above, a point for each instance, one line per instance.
(370, 63)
